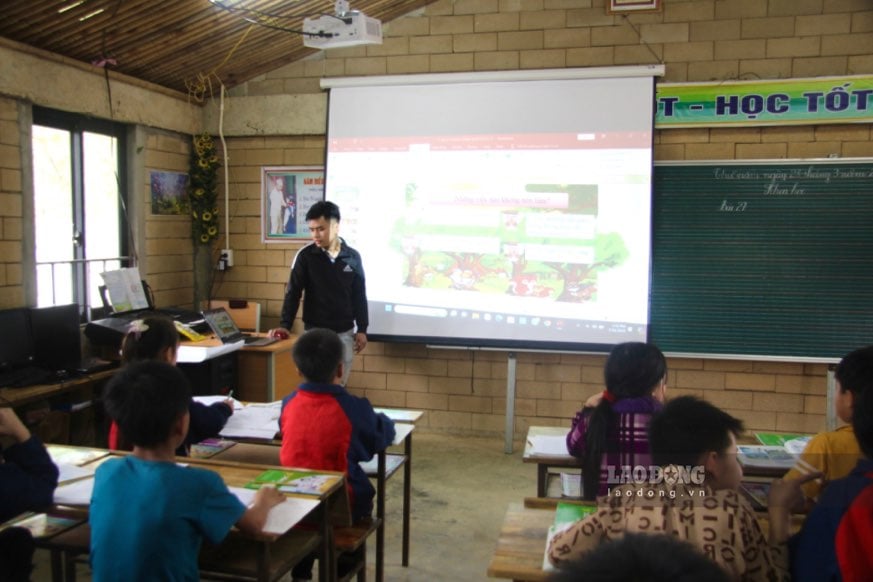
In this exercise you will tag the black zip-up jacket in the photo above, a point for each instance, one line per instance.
(335, 290)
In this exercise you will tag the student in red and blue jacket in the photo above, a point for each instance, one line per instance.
(326, 428)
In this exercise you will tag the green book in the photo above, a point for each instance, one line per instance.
(305, 482)
(776, 439)
(566, 513)
(793, 443)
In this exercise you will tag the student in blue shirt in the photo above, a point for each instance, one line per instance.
(148, 514)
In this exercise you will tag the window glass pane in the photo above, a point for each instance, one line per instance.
(53, 209)
(100, 159)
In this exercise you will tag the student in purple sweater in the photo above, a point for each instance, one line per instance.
(609, 434)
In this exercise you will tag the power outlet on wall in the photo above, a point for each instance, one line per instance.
(225, 259)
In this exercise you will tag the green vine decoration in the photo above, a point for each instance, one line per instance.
(203, 189)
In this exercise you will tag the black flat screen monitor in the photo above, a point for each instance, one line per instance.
(16, 342)
(56, 337)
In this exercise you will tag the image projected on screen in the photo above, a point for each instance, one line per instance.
(527, 237)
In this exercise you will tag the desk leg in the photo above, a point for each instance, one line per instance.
(57, 561)
(542, 479)
(264, 563)
(69, 567)
(380, 513)
(407, 496)
(326, 556)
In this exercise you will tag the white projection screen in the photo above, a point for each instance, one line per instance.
(493, 211)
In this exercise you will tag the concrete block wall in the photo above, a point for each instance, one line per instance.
(260, 270)
(698, 40)
(11, 207)
(168, 252)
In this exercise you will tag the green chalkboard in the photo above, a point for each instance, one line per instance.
(763, 259)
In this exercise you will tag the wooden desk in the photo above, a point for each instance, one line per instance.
(333, 510)
(404, 416)
(403, 434)
(267, 373)
(335, 504)
(20, 396)
(545, 462)
(521, 545)
(267, 453)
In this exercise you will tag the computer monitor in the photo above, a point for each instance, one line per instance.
(16, 341)
(57, 337)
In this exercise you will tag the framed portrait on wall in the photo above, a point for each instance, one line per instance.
(287, 192)
(613, 6)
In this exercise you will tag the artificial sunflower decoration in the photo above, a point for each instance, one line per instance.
(203, 189)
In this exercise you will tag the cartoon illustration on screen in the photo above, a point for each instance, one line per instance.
(540, 243)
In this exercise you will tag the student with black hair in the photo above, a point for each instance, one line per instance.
(834, 453)
(326, 428)
(610, 430)
(155, 338)
(652, 558)
(691, 494)
(148, 513)
(836, 541)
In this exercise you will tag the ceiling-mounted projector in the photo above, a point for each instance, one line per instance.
(345, 28)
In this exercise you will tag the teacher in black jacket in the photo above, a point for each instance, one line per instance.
(329, 274)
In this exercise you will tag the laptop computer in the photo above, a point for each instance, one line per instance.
(222, 325)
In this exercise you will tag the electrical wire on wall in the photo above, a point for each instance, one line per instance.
(658, 59)
(199, 88)
(225, 160)
(226, 170)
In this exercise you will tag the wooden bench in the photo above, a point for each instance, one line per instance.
(351, 543)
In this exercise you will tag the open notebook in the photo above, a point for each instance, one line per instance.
(222, 324)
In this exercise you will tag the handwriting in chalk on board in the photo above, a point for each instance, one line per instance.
(733, 206)
(774, 189)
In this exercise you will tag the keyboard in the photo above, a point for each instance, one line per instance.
(28, 376)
